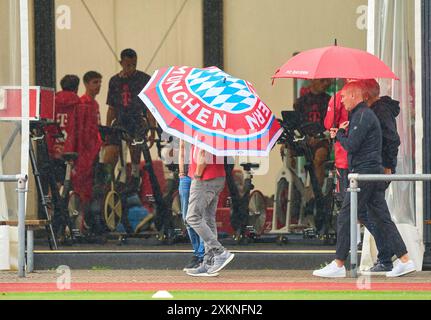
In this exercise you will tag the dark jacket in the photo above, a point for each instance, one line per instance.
(363, 141)
(386, 110)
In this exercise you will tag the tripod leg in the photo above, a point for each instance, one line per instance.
(61, 214)
(51, 236)
(236, 200)
(163, 218)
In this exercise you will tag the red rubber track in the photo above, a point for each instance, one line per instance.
(219, 286)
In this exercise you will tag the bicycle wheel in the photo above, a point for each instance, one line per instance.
(257, 211)
(113, 210)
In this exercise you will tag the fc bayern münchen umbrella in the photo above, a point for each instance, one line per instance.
(212, 110)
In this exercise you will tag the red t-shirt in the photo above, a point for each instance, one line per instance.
(214, 165)
(88, 143)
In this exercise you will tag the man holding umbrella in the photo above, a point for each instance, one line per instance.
(208, 181)
(220, 115)
(363, 143)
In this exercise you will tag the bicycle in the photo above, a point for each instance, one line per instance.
(52, 203)
(293, 195)
(248, 208)
(116, 198)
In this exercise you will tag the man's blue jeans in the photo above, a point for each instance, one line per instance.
(184, 192)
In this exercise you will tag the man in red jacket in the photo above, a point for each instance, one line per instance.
(333, 119)
(66, 103)
(88, 141)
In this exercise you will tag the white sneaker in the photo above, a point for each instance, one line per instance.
(401, 268)
(331, 271)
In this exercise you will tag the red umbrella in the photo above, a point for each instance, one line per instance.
(334, 62)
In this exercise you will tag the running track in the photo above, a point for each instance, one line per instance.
(220, 286)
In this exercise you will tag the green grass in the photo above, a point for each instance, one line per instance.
(224, 295)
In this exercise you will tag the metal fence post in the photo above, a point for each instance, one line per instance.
(21, 225)
(353, 222)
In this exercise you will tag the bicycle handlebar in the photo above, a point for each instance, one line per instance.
(42, 123)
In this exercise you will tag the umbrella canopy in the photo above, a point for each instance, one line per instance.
(334, 62)
(212, 110)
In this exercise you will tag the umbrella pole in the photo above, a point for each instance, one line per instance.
(335, 102)
(335, 90)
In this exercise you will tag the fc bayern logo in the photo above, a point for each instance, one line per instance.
(211, 99)
(220, 90)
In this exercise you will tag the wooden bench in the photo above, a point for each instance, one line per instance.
(28, 223)
(30, 226)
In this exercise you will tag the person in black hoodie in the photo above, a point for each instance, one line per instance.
(386, 110)
(363, 143)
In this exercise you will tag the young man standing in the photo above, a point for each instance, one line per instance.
(363, 144)
(208, 181)
(128, 111)
(92, 83)
(88, 138)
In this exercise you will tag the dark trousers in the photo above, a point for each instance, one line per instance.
(371, 206)
(384, 250)
(343, 183)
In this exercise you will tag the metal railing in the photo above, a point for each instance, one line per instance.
(21, 190)
(354, 178)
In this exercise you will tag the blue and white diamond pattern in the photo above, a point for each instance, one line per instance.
(220, 90)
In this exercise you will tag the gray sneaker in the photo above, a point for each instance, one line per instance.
(220, 261)
(201, 271)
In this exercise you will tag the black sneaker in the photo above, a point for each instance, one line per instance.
(194, 263)
(378, 269)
